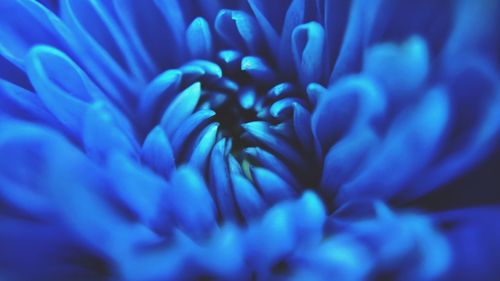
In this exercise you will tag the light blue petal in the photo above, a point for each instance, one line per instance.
(157, 152)
(158, 94)
(249, 201)
(415, 135)
(281, 90)
(272, 163)
(271, 239)
(39, 26)
(191, 203)
(180, 108)
(192, 125)
(247, 97)
(307, 50)
(224, 255)
(97, 49)
(333, 117)
(353, 103)
(239, 30)
(294, 17)
(203, 147)
(314, 91)
(260, 131)
(344, 158)
(309, 218)
(220, 181)
(85, 208)
(258, 69)
(199, 39)
(20, 103)
(230, 59)
(102, 135)
(210, 69)
(139, 190)
(400, 69)
(61, 85)
(273, 188)
(283, 108)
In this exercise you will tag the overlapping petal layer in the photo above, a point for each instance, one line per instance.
(244, 140)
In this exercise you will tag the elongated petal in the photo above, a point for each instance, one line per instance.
(180, 108)
(199, 39)
(40, 26)
(294, 17)
(400, 68)
(157, 94)
(257, 68)
(220, 181)
(260, 131)
(307, 49)
(302, 126)
(249, 201)
(191, 126)
(62, 85)
(191, 204)
(174, 17)
(203, 147)
(157, 152)
(102, 135)
(273, 188)
(96, 47)
(406, 140)
(139, 190)
(353, 103)
(20, 103)
(272, 163)
(344, 158)
(238, 29)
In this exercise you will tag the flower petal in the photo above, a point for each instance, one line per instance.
(249, 201)
(180, 108)
(62, 86)
(239, 30)
(157, 152)
(273, 188)
(102, 135)
(192, 125)
(191, 204)
(203, 146)
(220, 181)
(307, 49)
(415, 135)
(199, 39)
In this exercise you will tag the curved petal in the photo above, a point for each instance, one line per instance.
(157, 152)
(199, 39)
(307, 49)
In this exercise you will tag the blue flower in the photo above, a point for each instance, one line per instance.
(249, 140)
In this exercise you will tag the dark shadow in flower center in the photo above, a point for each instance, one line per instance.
(230, 116)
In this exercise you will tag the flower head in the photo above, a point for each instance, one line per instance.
(178, 140)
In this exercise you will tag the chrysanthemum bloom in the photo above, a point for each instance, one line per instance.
(259, 140)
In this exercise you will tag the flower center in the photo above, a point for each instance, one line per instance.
(255, 114)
